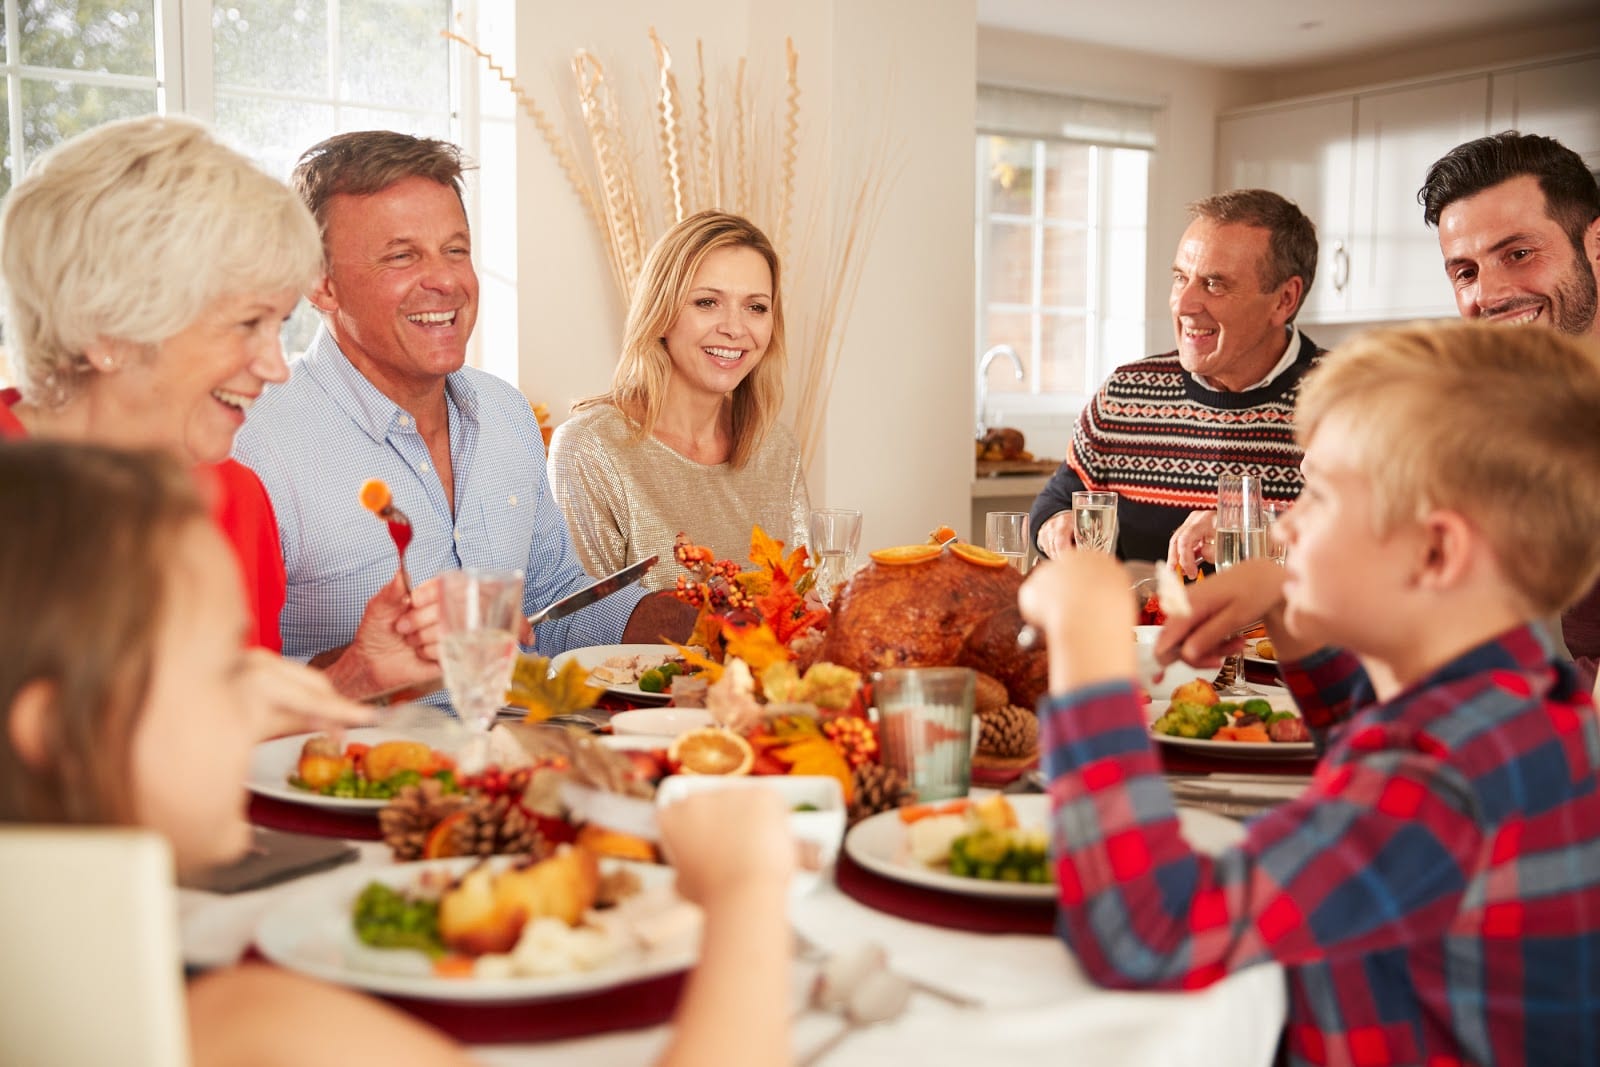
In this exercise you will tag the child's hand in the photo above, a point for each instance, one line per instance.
(292, 698)
(728, 840)
(1082, 606)
(1220, 608)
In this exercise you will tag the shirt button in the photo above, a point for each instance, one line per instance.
(458, 535)
(422, 466)
(512, 500)
(405, 420)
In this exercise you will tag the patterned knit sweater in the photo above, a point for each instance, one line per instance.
(1158, 438)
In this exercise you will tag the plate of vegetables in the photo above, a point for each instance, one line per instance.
(642, 673)
(1260, 727)
(359, 773)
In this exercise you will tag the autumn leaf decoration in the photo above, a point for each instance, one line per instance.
(543, 696)
(797, 741)
(754, 614)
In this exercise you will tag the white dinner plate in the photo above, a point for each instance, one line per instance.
(596, 655)
(1251, 657)
(1278, 698)
(273, 761)
(312, 932)
(879, 844)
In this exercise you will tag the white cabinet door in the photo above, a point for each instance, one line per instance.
(1302, 152)
(1396, 271)
(1560, 100)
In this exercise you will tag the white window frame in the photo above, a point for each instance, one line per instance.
(184, 83)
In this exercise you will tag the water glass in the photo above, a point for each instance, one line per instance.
(1094, 521)
(835, 536)
(1277, 546)
(478, 614)
(926, 717)
(1006, 532)
(1241, 535)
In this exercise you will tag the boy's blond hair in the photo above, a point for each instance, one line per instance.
(1500, 424)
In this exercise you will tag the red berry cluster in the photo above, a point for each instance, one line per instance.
(494, 782)
(855, 739)
(710, 580)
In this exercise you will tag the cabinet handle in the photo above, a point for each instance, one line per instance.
(1341, 267)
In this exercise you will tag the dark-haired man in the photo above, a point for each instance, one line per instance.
(1519, 227)
(383, 392)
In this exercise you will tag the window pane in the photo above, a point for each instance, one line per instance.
(403, 60)
(272, 132)
(494, 246)
(271, 44)
(52, 111)
(5, 137)
(436, 124)
(1009, 172)
(112, 36)
(1066, 182)
(1066, 267)
(1014, 329)
(1009, 269)
(497, 35)
(1064, 344)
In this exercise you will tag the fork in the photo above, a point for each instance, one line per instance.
(400, 534)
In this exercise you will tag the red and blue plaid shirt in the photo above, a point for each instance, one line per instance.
(1434, 896)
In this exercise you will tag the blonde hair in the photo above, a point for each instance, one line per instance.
(89, 630)
(1500, 424)
(639, 384)
(128, 233)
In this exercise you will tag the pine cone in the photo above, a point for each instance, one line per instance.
(878, 788)
(495, 825)
(1010, 732)
(412, 813)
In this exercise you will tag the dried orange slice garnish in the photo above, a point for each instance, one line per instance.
(941, 535)
(981, 556)
(712, 750)
(441, 840)
(375, 495)
(901, 555)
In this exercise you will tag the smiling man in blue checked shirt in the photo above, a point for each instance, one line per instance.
(383, 392)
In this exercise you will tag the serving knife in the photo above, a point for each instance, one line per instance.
(589, 594)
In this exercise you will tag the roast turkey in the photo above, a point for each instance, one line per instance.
(945, 612)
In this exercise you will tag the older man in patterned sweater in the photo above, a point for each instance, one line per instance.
(1160, 430)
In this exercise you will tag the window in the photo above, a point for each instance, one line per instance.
(1062, 194)
(274, 77)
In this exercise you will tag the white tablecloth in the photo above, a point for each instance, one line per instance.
(1036, 1006)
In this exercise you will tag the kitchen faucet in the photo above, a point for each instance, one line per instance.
(983, 376)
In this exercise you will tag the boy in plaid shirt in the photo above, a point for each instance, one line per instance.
(1435, 894)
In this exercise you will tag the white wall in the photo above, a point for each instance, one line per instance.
(896, 442)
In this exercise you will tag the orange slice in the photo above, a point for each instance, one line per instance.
(712, 750)
(941, 535)
(981, 556)
(375, 495)
(903, 555)
(440, 842)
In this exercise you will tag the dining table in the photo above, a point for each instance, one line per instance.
(991, 982)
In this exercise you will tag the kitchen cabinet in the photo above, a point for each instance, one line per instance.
(1353, 163)
(1559, 99)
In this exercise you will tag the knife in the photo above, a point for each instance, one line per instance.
(589, 594)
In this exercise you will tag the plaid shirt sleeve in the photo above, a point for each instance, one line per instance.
(1408, 840)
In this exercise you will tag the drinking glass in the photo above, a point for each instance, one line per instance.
(835, 536)
(1277, 547)
(478, 612)
(927, 727)
(1094, 520)
(1241, 535)
(1006, 532)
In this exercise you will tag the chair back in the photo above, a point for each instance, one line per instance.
(91, 970)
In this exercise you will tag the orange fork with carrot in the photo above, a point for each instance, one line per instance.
(376, 498)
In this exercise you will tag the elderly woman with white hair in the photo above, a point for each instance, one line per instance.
(148, 272)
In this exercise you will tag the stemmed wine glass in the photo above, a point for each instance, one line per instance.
(1241, 535)
(478, 648)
